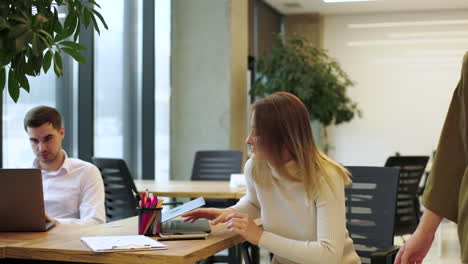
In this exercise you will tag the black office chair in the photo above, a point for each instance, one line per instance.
(370, 209)
(121, 195)
(408, 206)
(370, 213)
(218, 165)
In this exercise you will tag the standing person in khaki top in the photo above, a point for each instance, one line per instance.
(446, 194)
(297, 191)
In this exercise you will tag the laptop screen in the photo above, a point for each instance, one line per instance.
(21, 200)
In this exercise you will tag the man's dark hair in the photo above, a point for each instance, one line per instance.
(40, 115)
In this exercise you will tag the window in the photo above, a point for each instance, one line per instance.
(117, 82)
(16, 149)
(163, 89)
(117, 101)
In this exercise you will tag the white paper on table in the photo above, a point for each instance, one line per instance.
(121, 243)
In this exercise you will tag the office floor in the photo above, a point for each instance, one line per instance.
(449, 253)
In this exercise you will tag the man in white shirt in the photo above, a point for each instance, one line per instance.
(73, 189)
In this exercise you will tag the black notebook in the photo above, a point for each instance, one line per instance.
(178, 225)
(178, 229)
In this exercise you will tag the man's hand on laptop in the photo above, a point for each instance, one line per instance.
(49, 219)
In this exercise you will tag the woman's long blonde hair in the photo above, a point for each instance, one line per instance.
(282, 123)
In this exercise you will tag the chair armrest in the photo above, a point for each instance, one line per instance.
(385, 256)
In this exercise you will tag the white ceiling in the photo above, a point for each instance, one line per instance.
(318, 6)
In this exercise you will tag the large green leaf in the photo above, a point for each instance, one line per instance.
(47, 60)
(2, 79)
(13, 86)
(70, 23)
(94, 3)
(23, 80)
(86, 17)
(69, 20)
(75, 54)
(29, 67)
(72, 45)
(100, 17)
(58, 64)
(95, 25)
(61, 35)
(38, 64)
(57, 26)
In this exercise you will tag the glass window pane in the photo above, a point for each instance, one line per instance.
(109, 82)
(117, 83)
(163, 89)
(16, 149)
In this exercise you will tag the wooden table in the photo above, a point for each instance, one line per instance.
(62, 243)
(10, 238)
(191, 189)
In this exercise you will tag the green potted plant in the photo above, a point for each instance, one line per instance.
(309, 73)
(32, 37)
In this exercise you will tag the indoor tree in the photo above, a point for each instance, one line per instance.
(33, 37)
(314, 77)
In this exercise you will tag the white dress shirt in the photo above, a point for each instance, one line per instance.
(74, 193)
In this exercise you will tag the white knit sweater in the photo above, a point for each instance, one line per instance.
(293, 231)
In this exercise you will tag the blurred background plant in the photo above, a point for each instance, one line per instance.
(309, 73)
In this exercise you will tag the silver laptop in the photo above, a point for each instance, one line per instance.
(22, 201)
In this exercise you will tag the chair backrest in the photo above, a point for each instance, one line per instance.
(119, 188)
(370, 209)
(216, 165)
(411, 170)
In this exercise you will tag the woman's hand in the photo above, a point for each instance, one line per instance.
(245, 226)
(214, 214)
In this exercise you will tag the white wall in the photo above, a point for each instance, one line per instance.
(200, 75)
(405, 75)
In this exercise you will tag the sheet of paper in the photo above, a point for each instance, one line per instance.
(186, 207)
(121, 243)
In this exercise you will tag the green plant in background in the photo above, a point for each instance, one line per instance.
(32, 37)
(309, 73)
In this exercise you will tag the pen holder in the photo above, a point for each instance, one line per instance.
(149, 221)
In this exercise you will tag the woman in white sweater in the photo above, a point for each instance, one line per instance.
(297, 191)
